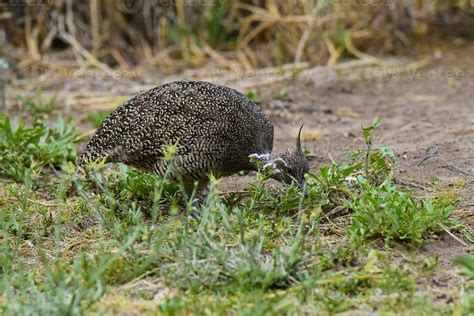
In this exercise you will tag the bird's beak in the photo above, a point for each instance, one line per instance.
(301, 183)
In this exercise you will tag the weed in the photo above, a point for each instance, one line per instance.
(384, 211)
(253, 96)
(23, 147)
(378, 161)
(466, 305)
(295, 71)
(220, 30)
(334, 181)
(467, 263)
(96, 118)
(37, 104)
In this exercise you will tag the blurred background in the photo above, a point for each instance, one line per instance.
(39, 35)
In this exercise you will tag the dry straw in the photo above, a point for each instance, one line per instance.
(234, 34)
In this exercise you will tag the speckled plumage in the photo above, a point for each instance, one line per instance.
(216, 129)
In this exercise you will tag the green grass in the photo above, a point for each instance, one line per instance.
(97, 117)
(253, 96)
(24, 147)
(38, 104)
(467, 264)
(387, 212)
(128, 241)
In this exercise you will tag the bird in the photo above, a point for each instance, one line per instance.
(216, 129)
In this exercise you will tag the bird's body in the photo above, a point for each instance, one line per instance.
(215, 128)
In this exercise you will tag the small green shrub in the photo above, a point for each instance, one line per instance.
(384, 211)
(334, 180)
(132, 186)
(23, 147)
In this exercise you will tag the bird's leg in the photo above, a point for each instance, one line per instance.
(200, 189)
(203, 191)
(198, 193)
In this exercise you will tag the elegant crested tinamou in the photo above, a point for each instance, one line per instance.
(217, 130)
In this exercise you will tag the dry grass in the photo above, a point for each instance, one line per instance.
(234, 34)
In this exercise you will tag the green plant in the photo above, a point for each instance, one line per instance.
(467, 269)
(96, 118)
(378, 161)
(126, 235)
(47, 282)
(23, 147)
(334, 181)
(467, 263)
(386, 212)
(295, 71)
(253, 96)
(220, 30)
(242, 261)
(38, 104)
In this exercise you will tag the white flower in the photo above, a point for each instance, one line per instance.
(265, 156)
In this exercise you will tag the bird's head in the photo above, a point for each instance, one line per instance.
(289, 166)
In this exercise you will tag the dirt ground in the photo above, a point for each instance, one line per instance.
(430, 106)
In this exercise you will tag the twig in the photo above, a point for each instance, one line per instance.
(433, 152)
(84, 53)
(334, 211)
(302, 42)
(45, 203)
(71, 245)
(233, 192)
(411, 184)
(94, 18)
(402, 254)
(454, 236)
(132, 283)
(219, 58)
(331, 159)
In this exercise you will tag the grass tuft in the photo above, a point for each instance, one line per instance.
(384, 211)
(23, 147)
(37, 104)
(128, 240)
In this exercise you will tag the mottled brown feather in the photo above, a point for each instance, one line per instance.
(216, 129)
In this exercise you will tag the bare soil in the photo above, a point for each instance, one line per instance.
(432, 106)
